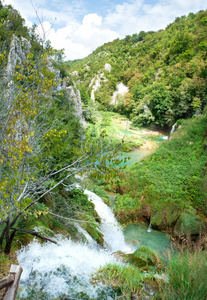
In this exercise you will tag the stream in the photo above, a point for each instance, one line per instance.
(64, 270)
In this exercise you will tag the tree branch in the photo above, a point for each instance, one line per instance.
(34, 233)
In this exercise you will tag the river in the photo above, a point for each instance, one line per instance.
(64, 270)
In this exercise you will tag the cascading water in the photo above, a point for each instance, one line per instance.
(53, 271)
(63, 271)
(173, 128)
(149, 229)
(113, 234)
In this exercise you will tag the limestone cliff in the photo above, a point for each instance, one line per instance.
(19, 49)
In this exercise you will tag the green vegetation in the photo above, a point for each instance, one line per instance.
(184, 276)
(170, 181)
(165, 72)
(42, 143)
(127, 279)
(187, 275)
(146, 259)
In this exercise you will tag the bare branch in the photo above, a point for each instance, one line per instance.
(34, 233)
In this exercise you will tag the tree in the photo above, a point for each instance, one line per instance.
(34, 139)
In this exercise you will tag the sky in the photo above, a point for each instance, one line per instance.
(80, 26)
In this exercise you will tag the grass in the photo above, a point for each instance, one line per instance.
(171, 180)
(126, 278)
(187, 277)
(184, 278)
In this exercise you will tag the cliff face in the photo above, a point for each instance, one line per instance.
(19, 49)
(73, 95)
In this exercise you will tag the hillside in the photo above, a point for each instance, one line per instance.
(61, 134)
(165, 73)
(169, 187)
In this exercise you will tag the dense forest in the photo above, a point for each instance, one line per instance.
(165, 72)
(57, 127)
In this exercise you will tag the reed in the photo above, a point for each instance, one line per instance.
(187, 277)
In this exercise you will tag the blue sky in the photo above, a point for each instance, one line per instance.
(80, 26)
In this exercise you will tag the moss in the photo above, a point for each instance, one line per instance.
(145, 258)
(157, 219)
(166, 219)
(94, 232)
(189, 223)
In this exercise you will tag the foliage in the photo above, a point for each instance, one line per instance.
(187, 275)
(165, 72)
(146, 259)
(41, 145)
(171, 180)
(127, 278)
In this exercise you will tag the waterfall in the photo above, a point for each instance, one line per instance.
(87, 236)
(149, 229)
(173, 128)
(112, 231)
(64, 270)
(51, 271)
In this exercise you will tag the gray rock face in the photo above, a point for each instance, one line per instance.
(75, 97)
(107, 67)
(96, 84)
(19, 49)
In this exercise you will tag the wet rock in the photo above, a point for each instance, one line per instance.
(145, 258)
(146, 211)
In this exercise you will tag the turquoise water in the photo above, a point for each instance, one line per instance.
(136, 155)
(154, 138)
(136, 235)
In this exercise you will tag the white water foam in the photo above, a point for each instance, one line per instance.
(112, 231)
(60, 269)
(51, 270)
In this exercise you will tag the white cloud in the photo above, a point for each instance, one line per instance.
(134, 16)
(70, 25)
(78, 40)
(92, 19)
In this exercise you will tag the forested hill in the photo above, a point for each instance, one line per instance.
(165, 72)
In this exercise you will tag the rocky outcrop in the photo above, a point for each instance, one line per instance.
(121, 91)
(74, 96)
(19, 48)
(107, 67)
(96, 84)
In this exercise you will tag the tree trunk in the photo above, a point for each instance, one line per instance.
(2, 236)
(7, 248)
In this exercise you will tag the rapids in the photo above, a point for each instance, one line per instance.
(64, 270)
(55, 271)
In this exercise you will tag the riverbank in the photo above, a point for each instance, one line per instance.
(168, 188)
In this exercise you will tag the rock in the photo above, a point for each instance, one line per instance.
(146, 211)
(96, 84)
(121, 91)
(107, 67)
(188, 223)
(74, 96)
(19, 48)
(120, 256)
(144, 258)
